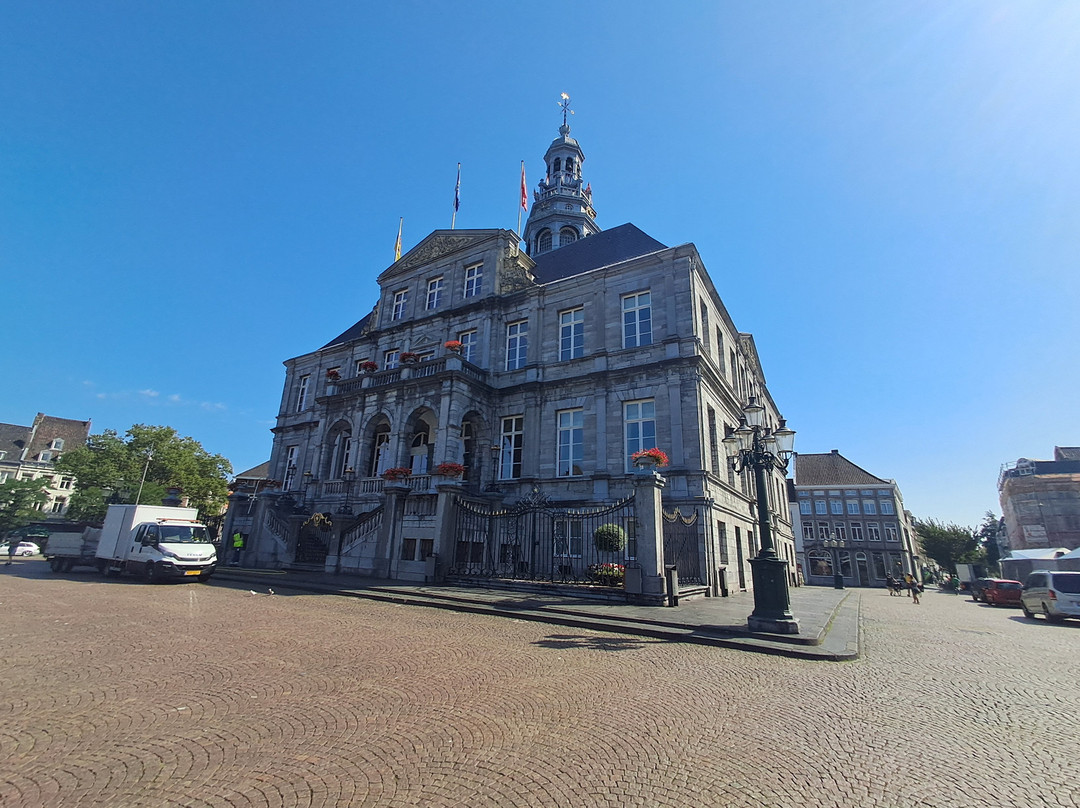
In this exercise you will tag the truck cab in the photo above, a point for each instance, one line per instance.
(157, 542)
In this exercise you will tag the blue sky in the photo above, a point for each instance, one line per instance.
(884, 192)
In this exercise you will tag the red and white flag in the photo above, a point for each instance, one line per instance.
(524, 191)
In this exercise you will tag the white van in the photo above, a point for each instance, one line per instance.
(1052, 593)
(157, 542)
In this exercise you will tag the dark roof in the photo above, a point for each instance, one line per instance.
(13, 440)
(592, 252)
(47, 428)
(260, 472)
(1067, 453)
(831, 469)
(355, 332)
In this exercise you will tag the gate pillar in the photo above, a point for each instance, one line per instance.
(650, 538)
(389, 543)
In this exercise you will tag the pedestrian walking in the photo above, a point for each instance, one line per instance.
(237, 545)
(908, 578)
(913, 589)
(10, 552)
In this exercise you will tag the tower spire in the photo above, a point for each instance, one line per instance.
(562, 209)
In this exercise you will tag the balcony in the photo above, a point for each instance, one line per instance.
(430, 368)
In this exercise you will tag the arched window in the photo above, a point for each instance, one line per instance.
(556, 167)
(379, 460)
(468, 447)
(821, 562)
(342, 455)
(570, 165)
(567, 235)
(420, 451)
(543, 241)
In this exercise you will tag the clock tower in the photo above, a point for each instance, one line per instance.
(562, 210)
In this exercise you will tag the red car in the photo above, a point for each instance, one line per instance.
(1001, 592)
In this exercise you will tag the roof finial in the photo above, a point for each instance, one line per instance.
(564, 130)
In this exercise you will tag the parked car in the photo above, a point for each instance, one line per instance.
(977, 586)
(1051, 593)
(1001, 592)
(24, 548)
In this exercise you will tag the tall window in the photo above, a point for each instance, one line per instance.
(290, 468)
(804, 506)
(836, 507)
(887, 508)
(856, 531)
(567, 235)
(637, 319)
(342, 455)
(705, 328)
(841, 531)
(819, 506)
(358, 369)
(468, 345)
(434, 293)
(869, 506)
(474, 280)
(517, 344)
(380, 452)
(569, 538)
(571, 334)
(890, 532)
(302, 393)
(513, 434)
(808, 531)
(390, 359)
(571, 442)
(400, 299)
(639, 418)
(873, 531)
(823, 530)
(714, 444)
(853, 508)
(543, 241)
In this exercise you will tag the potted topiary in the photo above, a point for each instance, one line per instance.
(609, 538)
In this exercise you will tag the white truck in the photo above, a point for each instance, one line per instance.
(158, 542)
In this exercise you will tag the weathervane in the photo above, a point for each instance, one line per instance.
(565, 106)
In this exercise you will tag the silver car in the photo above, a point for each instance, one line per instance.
(1053, 594)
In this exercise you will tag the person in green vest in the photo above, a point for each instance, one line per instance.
(237, 545)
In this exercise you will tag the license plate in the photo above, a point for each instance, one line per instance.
(192, 572)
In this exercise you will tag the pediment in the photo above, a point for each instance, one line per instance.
(439, 245)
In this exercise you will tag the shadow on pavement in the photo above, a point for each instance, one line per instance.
(594, 642)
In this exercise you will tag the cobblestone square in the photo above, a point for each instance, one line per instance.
(123, 694)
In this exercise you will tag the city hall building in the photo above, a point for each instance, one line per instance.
(482, 418)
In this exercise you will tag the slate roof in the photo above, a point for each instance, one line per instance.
(13, 440)
(260, 472)
(831, 469)
(1067, 453)
(355, 332)
(603, 249)
(592, 252)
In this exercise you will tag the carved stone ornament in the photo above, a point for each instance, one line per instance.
(435, 248)
(513, 278)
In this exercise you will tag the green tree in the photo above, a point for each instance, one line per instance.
(110, 468)
(18, 503)
(987, 535)
(948, 544)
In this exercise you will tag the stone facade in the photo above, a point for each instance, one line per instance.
(1040, 501)
(832, 498)
(570, 360)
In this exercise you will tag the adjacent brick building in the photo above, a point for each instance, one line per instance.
(30, 452)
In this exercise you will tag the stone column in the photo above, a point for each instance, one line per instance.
(384, 565)
(650, 540)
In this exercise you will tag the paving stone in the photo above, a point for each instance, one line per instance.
(119, 693)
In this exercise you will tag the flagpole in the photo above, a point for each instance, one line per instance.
(457, 197)
(521, 206)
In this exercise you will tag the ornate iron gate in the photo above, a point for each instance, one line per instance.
(681, 545)
(533, 540)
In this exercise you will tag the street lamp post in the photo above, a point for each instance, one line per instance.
(752, 446)
(495, 451)
(835, 545)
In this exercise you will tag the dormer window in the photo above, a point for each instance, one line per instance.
(57, 444)
(45, 457)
